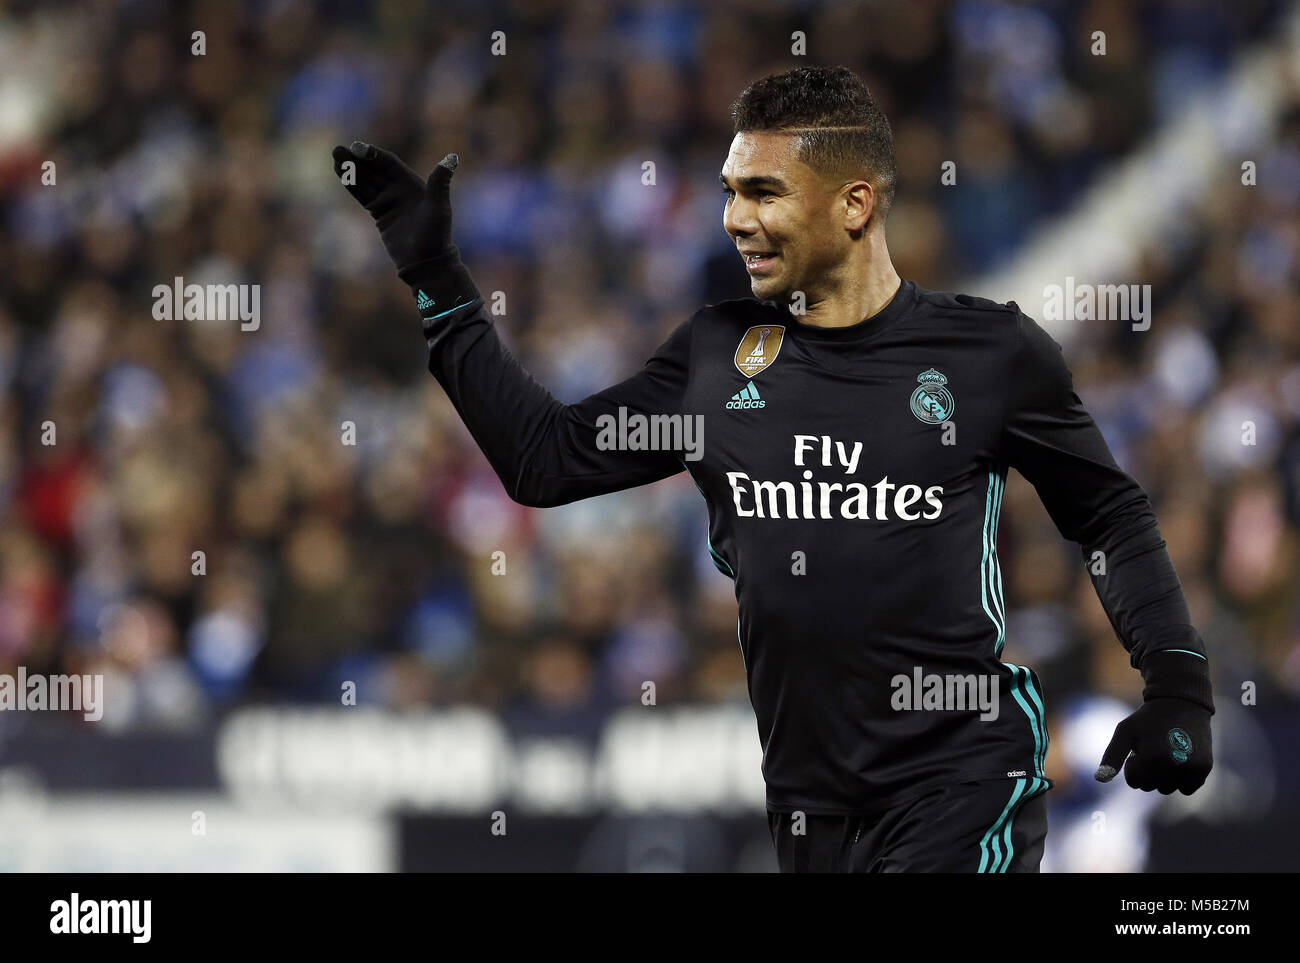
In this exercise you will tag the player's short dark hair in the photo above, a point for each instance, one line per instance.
(843, 131)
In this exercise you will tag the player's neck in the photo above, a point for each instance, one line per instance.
(861, 289)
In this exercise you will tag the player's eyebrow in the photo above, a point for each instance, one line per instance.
(755, 180)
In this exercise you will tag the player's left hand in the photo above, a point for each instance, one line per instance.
(1170, 744)
(413, 214)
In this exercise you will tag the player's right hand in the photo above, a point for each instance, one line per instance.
(413, 216)
(1171, 748)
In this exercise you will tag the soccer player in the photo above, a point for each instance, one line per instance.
(859, 430)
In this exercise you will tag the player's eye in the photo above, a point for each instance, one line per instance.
(762, 195)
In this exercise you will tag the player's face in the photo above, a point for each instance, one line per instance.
(781, 215)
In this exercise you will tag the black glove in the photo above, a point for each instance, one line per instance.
(414, 220)
(1169, 736)
(414, 216)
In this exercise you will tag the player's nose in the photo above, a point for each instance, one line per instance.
(738, 219)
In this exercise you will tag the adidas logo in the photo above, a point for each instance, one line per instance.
(423, 301)
(747, 397)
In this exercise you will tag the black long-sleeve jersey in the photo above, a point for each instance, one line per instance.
(854, 479)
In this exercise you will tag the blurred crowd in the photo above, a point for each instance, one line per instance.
(323, 561)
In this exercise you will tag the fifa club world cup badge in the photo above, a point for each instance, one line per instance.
(932, 402)
(759, 348)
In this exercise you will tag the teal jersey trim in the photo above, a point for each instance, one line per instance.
(990, 850)
(720, 563)
(996, 848)
(990, 570)
(1026, 685)
(441, 314)
(1185, 652)
(997, 562)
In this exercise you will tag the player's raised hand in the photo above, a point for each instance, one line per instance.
(413, 215)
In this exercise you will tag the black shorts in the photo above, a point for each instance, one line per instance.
(974, 827)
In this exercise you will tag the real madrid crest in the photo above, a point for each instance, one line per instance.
(932, 402)
(759, 348)
(1180, 745)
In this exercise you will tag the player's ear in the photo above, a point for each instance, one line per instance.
(859, 205)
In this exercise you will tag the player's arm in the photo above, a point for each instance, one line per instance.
(1049, 437)
(545, 452)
